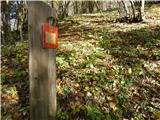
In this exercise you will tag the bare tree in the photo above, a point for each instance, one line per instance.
(6, 25)
(125, 8)
(90, 6)
(134, 15)
(142, 9)
(21, 14)
(83, 6)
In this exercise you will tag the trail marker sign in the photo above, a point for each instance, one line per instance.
(50, 36)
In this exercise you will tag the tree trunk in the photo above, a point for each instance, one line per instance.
(67, 8)
(90, 6)
(104, 6)
(130, 11)
(142, 9)
(64, 13)
(76, 7)
(119, 10)
(52, 4)
(83, 7)
(97, 5)
(21, 13)
(125, 8)
(133, 9)
(6, 27)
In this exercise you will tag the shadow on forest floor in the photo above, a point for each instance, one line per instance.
(141, 43)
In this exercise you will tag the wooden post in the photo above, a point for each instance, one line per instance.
(42, 68)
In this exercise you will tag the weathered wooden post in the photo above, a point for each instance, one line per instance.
(42, 68)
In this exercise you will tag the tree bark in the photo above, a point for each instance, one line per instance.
(133, 9)
(42, 67)
(65, 12)
(90, 6)
(142, 9)
(75, 7)
(6, 27)
(83, 7)
(97, 5)
(125, 8)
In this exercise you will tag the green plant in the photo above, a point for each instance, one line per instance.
(93, 112)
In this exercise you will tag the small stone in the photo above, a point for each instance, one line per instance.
(89, 94)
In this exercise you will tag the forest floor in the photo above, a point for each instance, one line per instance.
(105, 70)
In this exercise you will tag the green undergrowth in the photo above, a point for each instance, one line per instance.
(105, 80)
(15, 82)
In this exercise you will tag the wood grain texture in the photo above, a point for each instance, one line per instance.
(42, 68)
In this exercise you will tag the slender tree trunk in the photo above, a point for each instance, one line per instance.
(21, 16)
(60, 9)
(67, 7)
(97, 5)
(6, 27)
(125, 8)
(52, 4)
(119, 10)
(75, 7)
(65, 10)
(20, 26)
(83, 7)
(90, 6)
(133, 9)
(104, 5)
(142, 9)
